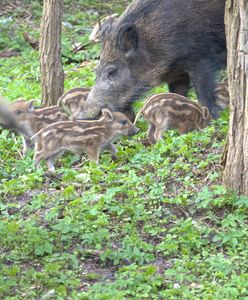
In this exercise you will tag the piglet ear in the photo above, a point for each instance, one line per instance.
(30, 105)
(107, 114)
(127, 38)
(205, 113)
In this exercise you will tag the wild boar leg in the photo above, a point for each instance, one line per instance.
(26, 145)
(112, 149)
(129, 112)
(181, 85)
(203, 76)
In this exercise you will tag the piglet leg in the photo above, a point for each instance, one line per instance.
(112, 149)
(26, 145)
(50, 165)
(161, 128)
(150, 134)
(93, 154)
(37, 159)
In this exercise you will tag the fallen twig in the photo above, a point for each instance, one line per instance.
(9, 53)
(82, 47)
(31, 41)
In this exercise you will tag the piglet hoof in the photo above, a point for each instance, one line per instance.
(50, 177)
(24, 153)
(50, 166)
(146, 142)
(52, 173)
(94, 164)
(153, 141)
(37, 166)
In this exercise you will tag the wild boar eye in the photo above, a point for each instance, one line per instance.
(112, 72)
(123, 122)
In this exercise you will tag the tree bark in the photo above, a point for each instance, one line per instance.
(235, 175)
(52, 74)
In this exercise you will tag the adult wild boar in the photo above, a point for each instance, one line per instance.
(173, 41)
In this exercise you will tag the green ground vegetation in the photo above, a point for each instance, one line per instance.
(157, 224)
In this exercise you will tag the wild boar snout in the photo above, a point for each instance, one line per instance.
(91, 110)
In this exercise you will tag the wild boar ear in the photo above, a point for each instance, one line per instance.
(205, 113)
(30, 105)
(127, 38)
(107, 114)
(105, 28)
(102, 29)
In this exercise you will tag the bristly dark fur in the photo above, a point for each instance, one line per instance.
(177, 42)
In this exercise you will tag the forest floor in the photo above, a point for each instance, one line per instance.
(156, 224)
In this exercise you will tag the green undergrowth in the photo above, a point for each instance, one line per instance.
(156, 224)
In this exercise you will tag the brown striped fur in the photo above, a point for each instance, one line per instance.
(73, 101)
(81, 136)
(33, 119)
(168, 110)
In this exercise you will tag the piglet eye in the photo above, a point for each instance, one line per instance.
(123, 122)
(17, 112)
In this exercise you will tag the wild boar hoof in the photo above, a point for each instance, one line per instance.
(215, 112)
(114, 157)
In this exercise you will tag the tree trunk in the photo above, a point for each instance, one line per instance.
(52, 74)
(236, 168)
